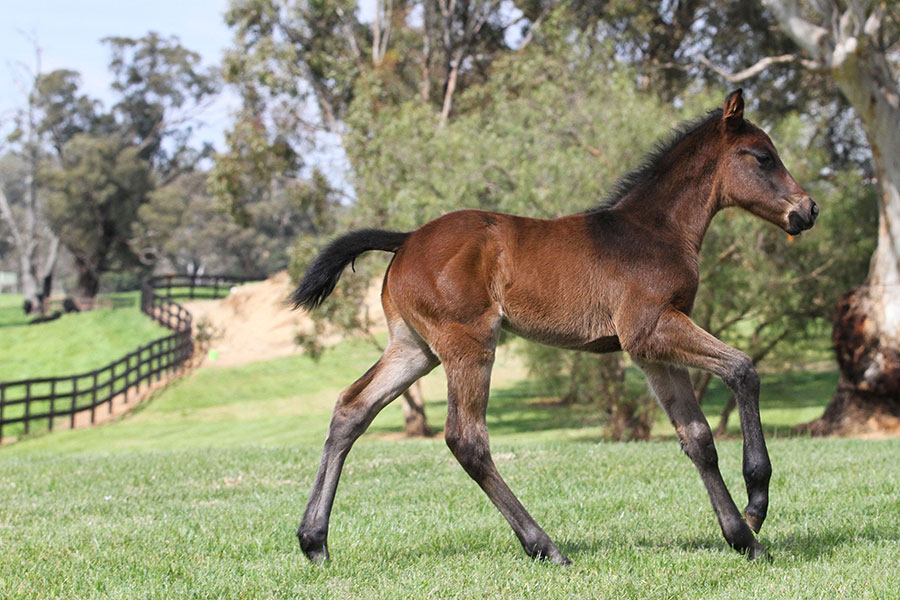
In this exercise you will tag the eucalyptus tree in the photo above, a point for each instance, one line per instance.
(22, 208)
(855, 45)
(107, 162)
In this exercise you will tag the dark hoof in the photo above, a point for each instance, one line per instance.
(314, 547)
(553, 555)
(757, 552)
(755, 522)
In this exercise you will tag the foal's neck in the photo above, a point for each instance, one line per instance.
(681, 197)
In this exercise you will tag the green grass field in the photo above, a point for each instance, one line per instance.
(74, 343)
(198, 494)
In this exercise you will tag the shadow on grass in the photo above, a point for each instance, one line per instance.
(810, 546)
(526, 406)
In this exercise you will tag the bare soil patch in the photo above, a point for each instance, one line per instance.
(255, 322)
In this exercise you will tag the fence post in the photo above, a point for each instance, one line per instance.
(52, 403)
(27, 407)
(94, 398)
(74, 401)
(2, 404)
(127, 377)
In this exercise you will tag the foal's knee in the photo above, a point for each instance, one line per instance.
(742, 377)
(697, 443)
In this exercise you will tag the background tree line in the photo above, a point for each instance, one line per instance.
(527, 106)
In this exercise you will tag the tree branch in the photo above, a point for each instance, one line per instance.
(750, 71)
(535, 26)
(6, 212)
(815, 40)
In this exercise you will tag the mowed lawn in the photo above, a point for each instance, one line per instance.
(198, 495)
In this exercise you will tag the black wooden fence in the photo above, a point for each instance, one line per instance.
(46, 401)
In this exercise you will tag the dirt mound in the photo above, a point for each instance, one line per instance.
(254, 322)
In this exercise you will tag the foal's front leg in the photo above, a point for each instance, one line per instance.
(672, 385)
(682, 342)
(678, 340)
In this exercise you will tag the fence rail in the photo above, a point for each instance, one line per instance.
(48, 400)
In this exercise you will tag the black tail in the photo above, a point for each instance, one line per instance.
(325, 270)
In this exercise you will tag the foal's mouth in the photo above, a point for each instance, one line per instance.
(803, 217)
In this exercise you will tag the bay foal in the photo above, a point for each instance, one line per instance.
(619, 277)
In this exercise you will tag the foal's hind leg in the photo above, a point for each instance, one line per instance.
(468, 357)
(672, 385)
(405, 360)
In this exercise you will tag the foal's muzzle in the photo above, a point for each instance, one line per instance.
(803, 217)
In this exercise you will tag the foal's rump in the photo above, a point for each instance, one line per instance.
(538, 278)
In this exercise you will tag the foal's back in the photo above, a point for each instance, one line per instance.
(556, 281)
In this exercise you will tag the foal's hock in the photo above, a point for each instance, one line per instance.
(622, 276)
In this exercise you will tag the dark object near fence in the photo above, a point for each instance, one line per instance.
(48, 399)
(45, 318)
(69, 305)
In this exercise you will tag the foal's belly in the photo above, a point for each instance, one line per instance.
(568, 338)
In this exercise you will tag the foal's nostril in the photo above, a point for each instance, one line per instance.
(814, 210)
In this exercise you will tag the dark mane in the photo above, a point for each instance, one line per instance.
(651, 161)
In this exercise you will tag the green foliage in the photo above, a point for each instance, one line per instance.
(95, 195)
(252, 170)
(98, 167)
(182, 227)
(158, 81)
(550, 136)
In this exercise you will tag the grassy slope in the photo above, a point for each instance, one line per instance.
(198, 495)
(58, 347)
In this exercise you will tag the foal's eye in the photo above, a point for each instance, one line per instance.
(765, 161)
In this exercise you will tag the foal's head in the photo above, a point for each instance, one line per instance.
(753, 177)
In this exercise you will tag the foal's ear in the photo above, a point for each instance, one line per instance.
(733, 109)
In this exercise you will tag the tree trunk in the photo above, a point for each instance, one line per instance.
(866, 332)
(450, 87)
(416, 425)
(34, 304)
(868, 393)
(88, 280)
(867, 325)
